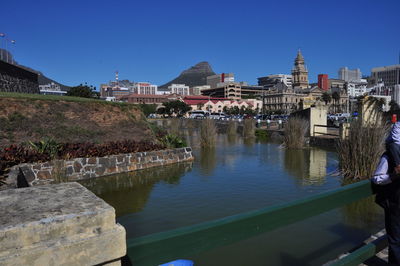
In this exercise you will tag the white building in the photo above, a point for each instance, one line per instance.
(51, 89)
(180, 89)
(355, 89)
(349, 75)
(144, 88)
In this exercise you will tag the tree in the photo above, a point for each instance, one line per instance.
(326, 97)
(84, 91)
(148, 108)
(336, 98)
(176, 107)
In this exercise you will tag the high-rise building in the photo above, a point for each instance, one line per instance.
(213, 80)
(323, 81)
(389, 75)
(350, 75)
(300, 72)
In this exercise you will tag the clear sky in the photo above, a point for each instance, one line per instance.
(80, 41)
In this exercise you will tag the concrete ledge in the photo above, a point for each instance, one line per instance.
(62, 224)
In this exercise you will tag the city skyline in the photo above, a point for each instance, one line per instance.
(88, 42)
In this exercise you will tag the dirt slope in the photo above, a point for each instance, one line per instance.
(67, 121)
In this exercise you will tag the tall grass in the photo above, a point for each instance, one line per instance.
(295, 133)
(208, 133)
(249, 128)
(360, 152)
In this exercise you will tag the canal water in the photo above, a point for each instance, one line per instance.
(241, 175)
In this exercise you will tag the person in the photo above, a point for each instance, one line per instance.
(387, 181)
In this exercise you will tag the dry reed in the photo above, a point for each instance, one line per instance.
(249, 128)
(295, 133)
(208, 133)
(360, 152)
(232, 128)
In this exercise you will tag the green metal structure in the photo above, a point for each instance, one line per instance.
(183, 242)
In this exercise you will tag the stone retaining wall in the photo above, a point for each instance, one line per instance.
(85, 168)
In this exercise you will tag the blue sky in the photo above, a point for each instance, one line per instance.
(87, 41)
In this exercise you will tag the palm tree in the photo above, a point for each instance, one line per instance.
(326, 97)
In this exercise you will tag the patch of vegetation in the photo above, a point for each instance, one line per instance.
(359, 153)
(261, 134)
(295, 133)
(173, 141)
(208, 133)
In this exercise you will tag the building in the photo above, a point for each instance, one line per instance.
(271, 81)
(337, 84)
(396, 94)
(115, 88)
(349, 75)
(356, 89)
(213, 80)
(300, 72)
(389, 75)
(196, 90)
(148, 98)
(144, 88)
(323, 82)
(217, 104)
(234, 91)
(17, 79)
(180, 89)
(51, 89)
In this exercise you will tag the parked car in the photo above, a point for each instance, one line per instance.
(217, 115)
(198, 114)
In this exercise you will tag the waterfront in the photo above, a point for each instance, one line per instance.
(240, 175)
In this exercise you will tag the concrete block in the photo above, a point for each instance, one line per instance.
(63, 224)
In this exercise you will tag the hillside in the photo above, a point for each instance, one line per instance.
(194, 76)
(68, 119)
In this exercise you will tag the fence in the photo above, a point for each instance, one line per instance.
(183, 242)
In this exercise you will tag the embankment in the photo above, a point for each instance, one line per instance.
(68, 119)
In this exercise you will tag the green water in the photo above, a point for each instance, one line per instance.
(238, 176)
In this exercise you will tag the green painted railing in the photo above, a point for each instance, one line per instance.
(186, 241)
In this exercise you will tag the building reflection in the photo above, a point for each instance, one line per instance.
(308, 165)
(129, 192)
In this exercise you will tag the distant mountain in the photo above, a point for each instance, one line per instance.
(43, 80)
(194, 76)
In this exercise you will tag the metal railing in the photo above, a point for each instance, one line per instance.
(187, 241)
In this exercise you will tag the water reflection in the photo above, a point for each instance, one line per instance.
(208, 160)
(308, 165)
(129, 192)
(364, 213)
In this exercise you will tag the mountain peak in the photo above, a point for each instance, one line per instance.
(202, 67)
(194, 76)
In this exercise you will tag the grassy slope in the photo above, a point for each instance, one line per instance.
(33, 117)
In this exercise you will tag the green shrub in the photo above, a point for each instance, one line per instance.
(261, 134)
(173, 141)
